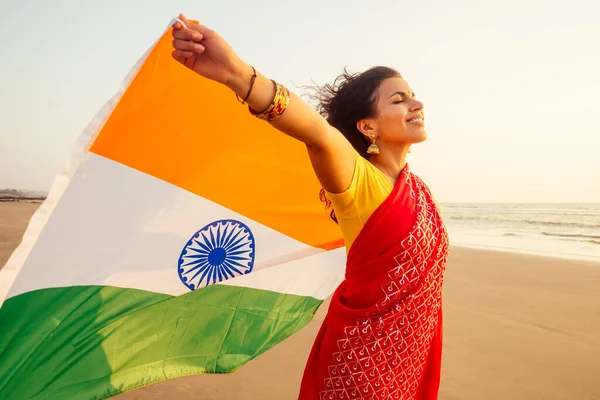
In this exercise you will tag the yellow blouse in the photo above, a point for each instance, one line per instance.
(367, 191)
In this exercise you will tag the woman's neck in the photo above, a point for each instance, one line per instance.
(391, 163)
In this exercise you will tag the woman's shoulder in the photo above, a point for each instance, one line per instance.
(370, 177)
(366, 178)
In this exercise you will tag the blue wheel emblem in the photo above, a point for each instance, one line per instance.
(221, 250)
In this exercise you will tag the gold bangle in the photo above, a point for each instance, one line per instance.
(278, 105)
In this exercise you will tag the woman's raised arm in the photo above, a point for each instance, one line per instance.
(208, 54)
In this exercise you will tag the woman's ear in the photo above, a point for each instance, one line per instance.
(366, 127)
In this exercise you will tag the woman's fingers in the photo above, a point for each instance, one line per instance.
(182, 56)
(188, 46)
(186, 37)
(187, 34)
(186, 21)
(194, 26)
(189, 62)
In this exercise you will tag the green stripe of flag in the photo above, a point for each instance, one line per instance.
(93, 342)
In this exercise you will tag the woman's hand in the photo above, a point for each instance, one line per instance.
(204, 51)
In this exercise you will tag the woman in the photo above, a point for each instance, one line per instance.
(382, 337)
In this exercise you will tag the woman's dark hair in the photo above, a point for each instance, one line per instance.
(350, 98)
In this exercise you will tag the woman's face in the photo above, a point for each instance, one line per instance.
(398, 116)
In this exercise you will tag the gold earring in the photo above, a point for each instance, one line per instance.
(373, 148)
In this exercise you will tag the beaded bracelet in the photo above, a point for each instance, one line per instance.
(278, 104)
(251, 87)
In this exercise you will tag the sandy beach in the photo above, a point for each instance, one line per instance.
(516, 327)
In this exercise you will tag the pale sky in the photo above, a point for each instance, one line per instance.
(511, 88)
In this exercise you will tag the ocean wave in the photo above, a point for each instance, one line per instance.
(589, 210)
(562, 224)
(566, 213)
(572, 235)
(464, 218)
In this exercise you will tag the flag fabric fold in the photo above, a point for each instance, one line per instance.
(184, 236)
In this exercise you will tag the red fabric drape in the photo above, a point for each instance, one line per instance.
(382, 336)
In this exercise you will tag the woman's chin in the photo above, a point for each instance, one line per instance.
(419, 136)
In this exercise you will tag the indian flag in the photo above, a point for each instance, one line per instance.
(184, 236)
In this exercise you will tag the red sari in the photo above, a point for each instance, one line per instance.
(382, 337)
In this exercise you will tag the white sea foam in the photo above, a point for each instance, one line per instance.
(564, 230)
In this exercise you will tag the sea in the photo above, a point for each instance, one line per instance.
(558, 230)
